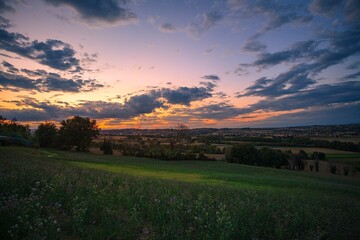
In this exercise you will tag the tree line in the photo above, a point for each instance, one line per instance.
(76, 132)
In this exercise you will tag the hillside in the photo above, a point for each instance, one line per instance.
(58, 194)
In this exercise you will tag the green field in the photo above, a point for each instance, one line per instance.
(66, 195)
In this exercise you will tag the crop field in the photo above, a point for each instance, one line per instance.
(51, 194)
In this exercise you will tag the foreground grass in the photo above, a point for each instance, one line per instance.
(65, 195)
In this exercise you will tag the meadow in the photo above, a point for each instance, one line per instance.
(50, 194)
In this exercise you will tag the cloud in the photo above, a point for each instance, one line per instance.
(100, 11)
(289, 82)
(340, 93)
(134, 105)
(334, 47)
(42, 81)
(316, 116)
(298, 51)
(211, 77)
(351, 11)
(354, 65)
(169, 28)
(15, 82)
(52, 53)
(185, 95)
(342, 99)
(208, 20)
(253, 45)
(6, 7)
(325, 7)
(277, 14)
(218, 111)
(331, 8)
(4, 23)
(352, 76)
(9, 67)
(34, 110)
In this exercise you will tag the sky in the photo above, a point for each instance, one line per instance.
(161, 63)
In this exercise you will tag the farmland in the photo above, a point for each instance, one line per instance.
(67, 195)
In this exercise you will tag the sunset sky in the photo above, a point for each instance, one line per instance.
(202, 63)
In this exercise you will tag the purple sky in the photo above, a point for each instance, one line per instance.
(156, 64)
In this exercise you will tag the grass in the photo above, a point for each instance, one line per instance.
(67, 195)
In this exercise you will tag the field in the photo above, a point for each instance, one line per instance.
(353, 139)
(333, 156)
(52, 194)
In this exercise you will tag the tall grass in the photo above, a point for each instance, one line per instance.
(46, 197)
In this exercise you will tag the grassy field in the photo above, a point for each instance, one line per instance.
(66, 195)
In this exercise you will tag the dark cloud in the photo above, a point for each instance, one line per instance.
(354, 65)
(134, 105)
(278, 14)
(341, 98)
(211, 77)
(52, 53)
(9, 67)
(325, 7)
(254, 45)
(208, 20)
(349, 9)
(34, 110)
(325, 97)
(339, 46)
(169, 28)
(298, 51)
(103, 11)
(4, 23)
(43, 81)
(316, 116)
(322, 95)
(185, 95)
(6, 7)
(352, 76)
(145, 103)
(289, 82)
(15, 82)
(218, 111)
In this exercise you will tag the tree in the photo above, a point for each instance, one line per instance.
(46, 134)
(13, 129)
(78, 132)
(106, 147)
(242, 153)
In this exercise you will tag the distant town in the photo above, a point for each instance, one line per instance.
(335, 131)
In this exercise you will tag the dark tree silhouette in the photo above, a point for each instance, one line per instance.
(46, 134)
(78, 132)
